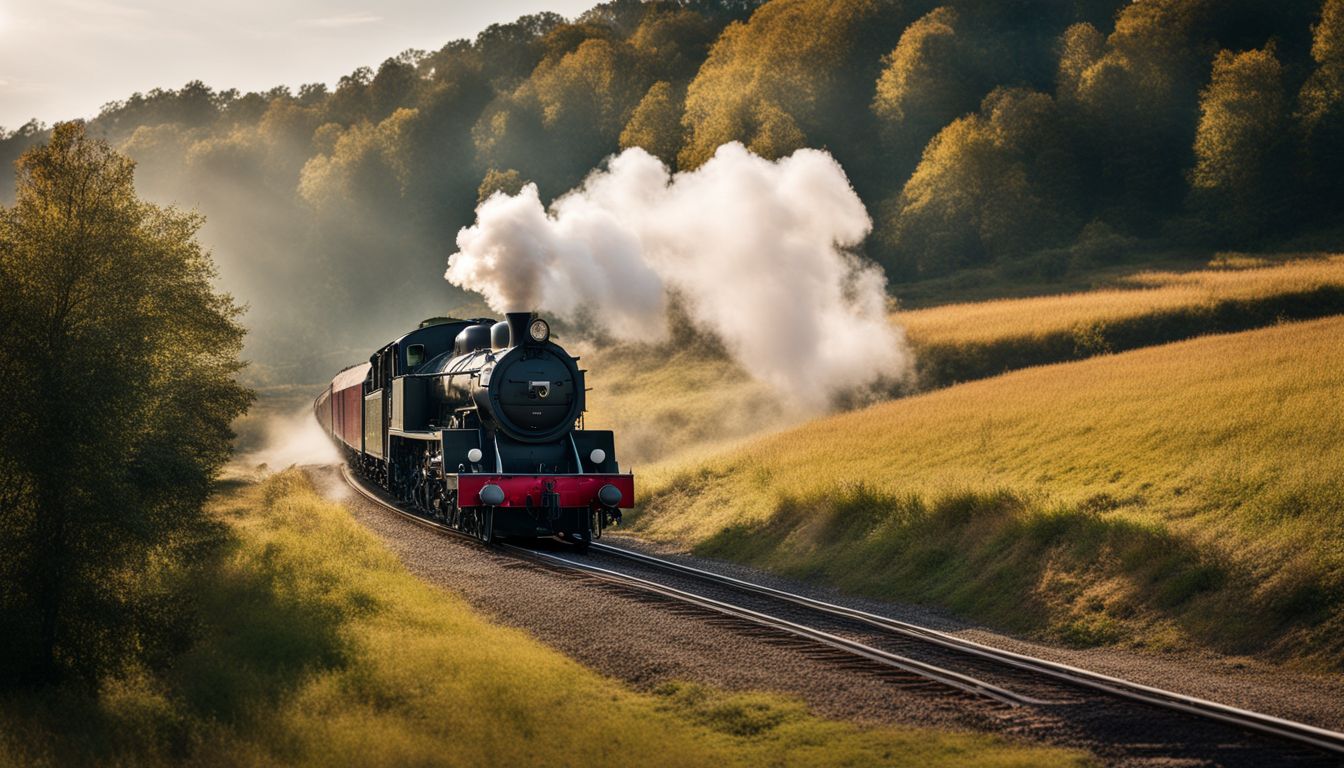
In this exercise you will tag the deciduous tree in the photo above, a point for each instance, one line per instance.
(1240, 145)
(120, 361)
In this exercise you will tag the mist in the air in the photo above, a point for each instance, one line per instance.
(757, 251)
(292, 438)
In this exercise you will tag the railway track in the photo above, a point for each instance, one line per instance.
(950, 679)
(1004, 678)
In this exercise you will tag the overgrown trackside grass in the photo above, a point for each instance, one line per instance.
(318, 648)
(962, 342)
(1191, 493)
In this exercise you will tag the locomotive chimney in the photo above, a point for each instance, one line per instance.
(518, 322)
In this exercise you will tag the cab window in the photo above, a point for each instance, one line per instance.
(415, 355)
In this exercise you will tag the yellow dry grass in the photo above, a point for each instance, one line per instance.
(672, 401)
(1145, 293)
(1189, 493)
(320, 649)
(668, 401)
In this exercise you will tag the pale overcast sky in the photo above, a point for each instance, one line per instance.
(61, 59)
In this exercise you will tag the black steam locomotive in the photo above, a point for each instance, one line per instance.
(479, 424)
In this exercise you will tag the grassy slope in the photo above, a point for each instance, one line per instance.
(319, 648)
(666, 402)
(662, 402)
(1190, 493)
(961, 342)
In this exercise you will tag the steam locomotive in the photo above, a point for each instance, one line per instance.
(479, 424)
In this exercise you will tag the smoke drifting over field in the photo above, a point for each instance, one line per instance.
(756, 250)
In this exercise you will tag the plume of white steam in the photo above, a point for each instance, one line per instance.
(756, 249)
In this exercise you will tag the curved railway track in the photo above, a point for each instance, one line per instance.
(1005, 678)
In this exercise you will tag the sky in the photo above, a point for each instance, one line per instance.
(62, 59)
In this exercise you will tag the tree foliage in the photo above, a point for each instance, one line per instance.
(977, 194)
(1321, 107)
(929, 80)
(780, 80)
(1239, 145)
(121, 360)
(655, 125)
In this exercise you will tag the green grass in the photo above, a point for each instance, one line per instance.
(1184, 495)
(318, 648)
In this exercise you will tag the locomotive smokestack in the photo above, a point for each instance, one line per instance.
(518, 322)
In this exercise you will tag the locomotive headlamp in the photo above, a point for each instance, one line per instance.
(597, 456)
(474, 455)
(539, 330)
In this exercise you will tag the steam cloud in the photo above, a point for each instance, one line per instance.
(755, 249)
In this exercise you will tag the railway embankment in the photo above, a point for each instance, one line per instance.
(1182, 498)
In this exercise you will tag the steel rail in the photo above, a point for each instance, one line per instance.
(947, 677)
(1321, 738)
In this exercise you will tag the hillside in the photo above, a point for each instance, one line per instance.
(1188, 494)
(981, 140)
(688, 396)
(963, 341)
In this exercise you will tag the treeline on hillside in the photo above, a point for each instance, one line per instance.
(1024, 137)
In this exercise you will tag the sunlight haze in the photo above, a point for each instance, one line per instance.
(62, 59)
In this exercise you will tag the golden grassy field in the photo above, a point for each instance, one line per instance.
(662, 401)
(1145, 293)
(318, 648)
(960, 342)
(1188, 494)
(671, 401)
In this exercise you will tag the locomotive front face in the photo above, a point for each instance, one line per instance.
(535, 391)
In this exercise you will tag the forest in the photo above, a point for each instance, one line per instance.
(1019, 140)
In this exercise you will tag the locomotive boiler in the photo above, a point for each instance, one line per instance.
(479, 424)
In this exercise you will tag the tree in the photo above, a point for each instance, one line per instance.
(393, 86)
(672, 43)
(1321, 106)
(1240, 164)
(508, 182)
(784, 78)
(655, 124)
(568, 114)
(120, 361)
(929, 80)
(989, 187)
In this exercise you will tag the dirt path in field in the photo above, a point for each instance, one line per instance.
(645, 642)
